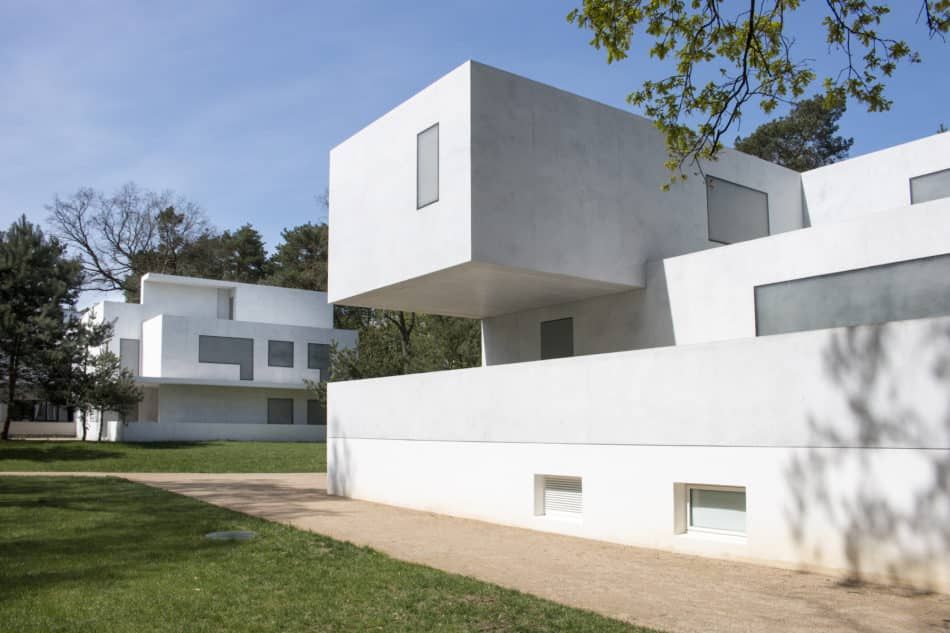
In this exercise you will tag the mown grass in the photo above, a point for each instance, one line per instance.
(100, 555)
(164, 457)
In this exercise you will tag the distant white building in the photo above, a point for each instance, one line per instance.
(754, 365)
(221, 360)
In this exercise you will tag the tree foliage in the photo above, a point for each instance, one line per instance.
(111, 387)
(300, 260)
(805, 139)
(39, 287)
(726, 55)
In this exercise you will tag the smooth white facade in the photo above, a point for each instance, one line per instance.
(187, 397)
(549, 209)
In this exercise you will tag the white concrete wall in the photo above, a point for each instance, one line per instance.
(839, 437)
(201, 404)
(203, 432)
(566, 185)
(636, 319)
(873, 182)
(286, 306)
(180, 299)
(378, 236)
(711, 293)
(178, 346)
(41, 429)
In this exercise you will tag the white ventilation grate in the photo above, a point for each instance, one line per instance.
(563, 495)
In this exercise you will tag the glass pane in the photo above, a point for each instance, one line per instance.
(280, 411)
(930, 187)
(717, 509)
(316, 414)
(280, 353)
(427, 166)
(736, 213)
(318, 357)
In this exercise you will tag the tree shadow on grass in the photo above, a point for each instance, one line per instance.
(61, 451)
(73, 533)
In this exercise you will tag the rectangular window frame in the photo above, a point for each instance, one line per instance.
(270, 360)
(691, 529)
(768, 209)
(438, 192)
(910, 185)
(550, 322)
(291, 400)
(314, 403)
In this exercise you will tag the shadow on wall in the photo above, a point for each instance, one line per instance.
(888, 511)
(339, 464)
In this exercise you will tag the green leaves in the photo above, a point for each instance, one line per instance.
(722, 61)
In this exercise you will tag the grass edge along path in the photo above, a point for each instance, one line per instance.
(163, 457)
(82, 554)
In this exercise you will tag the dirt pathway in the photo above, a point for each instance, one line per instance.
(671, 592)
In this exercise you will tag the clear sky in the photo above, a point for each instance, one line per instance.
(237, 104)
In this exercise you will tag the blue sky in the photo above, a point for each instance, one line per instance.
(236, 105)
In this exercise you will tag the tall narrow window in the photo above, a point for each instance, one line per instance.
(557, 338)
(427, 166)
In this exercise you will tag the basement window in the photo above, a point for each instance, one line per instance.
(558, 496)
(716, 510)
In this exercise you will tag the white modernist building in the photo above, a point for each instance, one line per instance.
(221, 360)
(754, 365)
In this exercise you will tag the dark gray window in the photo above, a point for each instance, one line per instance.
(316, 413)
(735, 213)
(280, 353)
(557, 338)
(228, 350)
(129, 354)
(280, 411)
(318, 357)
(427, 166)
(912, 289)
(930, 187)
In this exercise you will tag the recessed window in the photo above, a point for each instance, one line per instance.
(427, 166)
(735, 213)
(558, 496)
(316, 413)
(930, 187)
(557, 338)
(280, 353)
(280, 411)
(318, 357)
(228, 350)
(716, 509)
(129, 354)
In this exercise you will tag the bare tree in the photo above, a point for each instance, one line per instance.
(121, 236)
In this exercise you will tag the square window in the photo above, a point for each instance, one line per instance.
(280, 411)
(716, 509)
(735, 213)
(427, 166)
(316, 413)
(280, 353)
(557, 338)
(930, 187)
(558, 496)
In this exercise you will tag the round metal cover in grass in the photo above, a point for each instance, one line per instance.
(230, 535)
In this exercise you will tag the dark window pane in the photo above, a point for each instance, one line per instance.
(228, 350)
(557, 338)
(280, 353)
(318, 357)
(316, 413)
(280, 411)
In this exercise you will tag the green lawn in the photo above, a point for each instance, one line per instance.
(164, 457)
(109, 555)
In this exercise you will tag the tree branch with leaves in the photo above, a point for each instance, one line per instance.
(725, 58)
